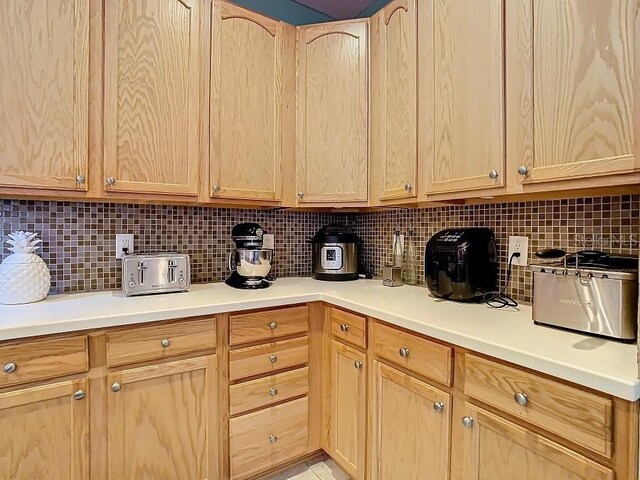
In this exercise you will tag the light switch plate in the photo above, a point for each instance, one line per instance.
(519, 244)
(268, 241)
(124, 240)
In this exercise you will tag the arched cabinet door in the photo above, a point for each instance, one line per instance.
(152, 104)
(332, 106)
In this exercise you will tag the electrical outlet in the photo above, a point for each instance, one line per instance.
(268, 241)
(519, 244)
(124, 241)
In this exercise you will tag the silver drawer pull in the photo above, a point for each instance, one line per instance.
(273, 391)
(273, 325)
(468, 422)
(9, 367)
(273, 358)
(79, 395)
(165, 342)
(273, 439)
(521, 399)
(404, 352)
(438, 407)
(116, 387)
(344, 327)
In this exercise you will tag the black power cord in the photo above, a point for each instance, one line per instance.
(500, 299)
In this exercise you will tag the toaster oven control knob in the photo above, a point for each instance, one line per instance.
(273, 358)
(165, 342)
(273, 325)
(116, 387)
(467, 422)
(521, 398)
(9, 367)
(344, 327)
(273, 391)
(216, 188)
(438, 407)
(523, 170)
(493, 175)
(181, 280)
(408, 187)
(404, 352)
(132, 284)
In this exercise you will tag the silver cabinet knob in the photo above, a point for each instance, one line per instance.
(273, 358)
(523, 170)
(300, 195)
(273, 325)
(521, 399)
(273, 439)
(216, 188)
(357, 364)
(408, 187)
(438, 407)
(116, 387)
(79, 395)
(81, 179)
(404, 352)
(344, 327)
(468, 422)
(273, 391)
(9, 367)
(493, 174)
(165, 342)
(110, 181)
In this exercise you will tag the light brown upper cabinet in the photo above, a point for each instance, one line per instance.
(573, 85)
(252, 82)
(152, 111)
(394, 107)
(467, 96)
(332, 113)
(44, 71)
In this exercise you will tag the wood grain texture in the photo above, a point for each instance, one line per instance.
(579, 416)
(496, 448)
(409, 438)
(573, 76)
(43, 359)
(163, 422)
(356, 327)
(394, 101)
(250, 361)
(427, 358)
(44, 72)
(332, 157)
(469, 100)
(152, 102)
(258, 393)
(255, 326)
(143, 343)
(246, 104)
(45, 433)
(251, 450)
(347, 430)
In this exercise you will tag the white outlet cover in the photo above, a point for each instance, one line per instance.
(519, 244)
(122, 239)
(269, 241)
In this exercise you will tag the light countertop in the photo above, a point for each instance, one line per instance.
(508, 334)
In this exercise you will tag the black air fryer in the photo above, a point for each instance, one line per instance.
(461, 263)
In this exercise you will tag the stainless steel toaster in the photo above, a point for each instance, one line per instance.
(597, 300)
(155, 273)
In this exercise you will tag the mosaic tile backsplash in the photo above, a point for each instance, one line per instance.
(79, 238)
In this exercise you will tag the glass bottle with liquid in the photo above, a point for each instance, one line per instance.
(397, 249)
(409, 264)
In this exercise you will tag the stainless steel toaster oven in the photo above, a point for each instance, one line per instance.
(155, 273)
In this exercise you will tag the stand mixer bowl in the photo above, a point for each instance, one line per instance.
(251, 263)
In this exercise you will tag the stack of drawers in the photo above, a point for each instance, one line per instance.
(268, 396)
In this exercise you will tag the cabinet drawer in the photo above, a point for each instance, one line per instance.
(261, 440)
(419, 355)
(269, 390)
(160, 341)
(41, 360)
(259, 326)
(349, 327)
(250, 361)
(581, 417)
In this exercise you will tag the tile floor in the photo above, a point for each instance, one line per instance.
(321, 469)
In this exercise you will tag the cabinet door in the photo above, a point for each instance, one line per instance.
(394, 147)
(573, 84)
(247, 80)
(332, 154)
(348, 408)
(152, 95)
(469, 102)
(162, 421)
(44, 68)
(45, 432)
(411, 427)
(495, 448)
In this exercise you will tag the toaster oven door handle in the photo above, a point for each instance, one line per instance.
(231, 262)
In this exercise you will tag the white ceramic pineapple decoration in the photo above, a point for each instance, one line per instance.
(24, 277)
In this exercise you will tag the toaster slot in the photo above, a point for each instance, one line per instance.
(142, 269)
(172, 266)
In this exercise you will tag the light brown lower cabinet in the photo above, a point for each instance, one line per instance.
(347, 428)
(44, 432)
(411, 428)
(495, 448)
(162, 421)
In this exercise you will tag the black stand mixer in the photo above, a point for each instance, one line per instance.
(249, 263)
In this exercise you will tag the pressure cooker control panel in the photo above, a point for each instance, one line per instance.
(331, 258)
